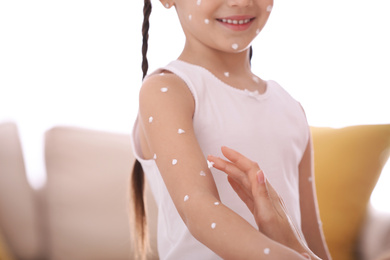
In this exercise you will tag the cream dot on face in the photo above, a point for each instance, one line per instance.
(163, 90)
(227, 74)
(150, 119)
(198, 2)
(310, 179)
(257, 31)
(180, 131)
(186, 197)
(216, 203)
(190, 17)
(154, 156)
(213, 225)
(206, 21)
(267, 251)
(269, 8)
(174, 162)
(235, 46)
(256, 79)
(202, 173)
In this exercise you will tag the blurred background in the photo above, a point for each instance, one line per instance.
(78, 63)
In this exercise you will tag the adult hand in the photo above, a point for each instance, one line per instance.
(267, 207)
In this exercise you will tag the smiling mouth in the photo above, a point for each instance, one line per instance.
(236, 22)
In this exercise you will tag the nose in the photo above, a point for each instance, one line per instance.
(239, 3)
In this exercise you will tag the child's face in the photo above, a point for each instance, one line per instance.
(224, 25)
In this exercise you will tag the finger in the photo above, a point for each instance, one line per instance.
(262, 200)
(242, 162)
(242, 193)
(219, 163)
(232, 171)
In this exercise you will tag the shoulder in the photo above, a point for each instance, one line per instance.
(165, 91)
(282, 93)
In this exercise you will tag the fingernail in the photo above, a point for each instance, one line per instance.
(306, 255)
(260, 177)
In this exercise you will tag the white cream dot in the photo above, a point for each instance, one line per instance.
(190, 17)
(206, 21)
(257, 31)
(310, 179)
(269, 8)
(213, 225)
(267, 251)
(166, 5)
(186, 197)
(227, 74)
(216, 203)
(256, 79)
(163, 90)
(180, 131)
(174, 162)
(235, 46)
(150, 119)
(154, 156)
(198, 2)
(210, 164)
(202, 173)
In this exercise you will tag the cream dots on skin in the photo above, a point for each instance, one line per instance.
(172, 135)
(225, 25)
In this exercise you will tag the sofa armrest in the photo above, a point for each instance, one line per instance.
(87, 194)
(19, 220)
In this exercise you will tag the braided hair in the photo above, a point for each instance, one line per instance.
(140, 238)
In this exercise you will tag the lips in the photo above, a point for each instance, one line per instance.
(237, 23)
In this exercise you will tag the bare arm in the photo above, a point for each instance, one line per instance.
(166, 105)
(311, 225)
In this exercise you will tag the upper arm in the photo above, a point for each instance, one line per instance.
(167, 105)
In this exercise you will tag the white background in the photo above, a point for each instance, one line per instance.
(78, 63)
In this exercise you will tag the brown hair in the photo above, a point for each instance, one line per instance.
(139, 223)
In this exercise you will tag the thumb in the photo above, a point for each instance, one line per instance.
(260, 193)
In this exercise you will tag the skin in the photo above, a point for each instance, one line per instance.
(246, 178)
(208, 45)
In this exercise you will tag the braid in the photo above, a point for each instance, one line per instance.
(250, 54)
(137, 183)
(145, 36)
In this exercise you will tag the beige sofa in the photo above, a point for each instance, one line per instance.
(82, 212)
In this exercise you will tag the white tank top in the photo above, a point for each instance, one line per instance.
(268, 128)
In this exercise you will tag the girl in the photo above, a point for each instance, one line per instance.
(206, 99)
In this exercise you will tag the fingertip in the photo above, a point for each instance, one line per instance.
(229, 153)
(224, 149)
(260, 177)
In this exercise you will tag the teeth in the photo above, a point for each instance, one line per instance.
(230, 21)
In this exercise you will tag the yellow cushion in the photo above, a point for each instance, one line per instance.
(348, 162)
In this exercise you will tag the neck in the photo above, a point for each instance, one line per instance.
(218, 61)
